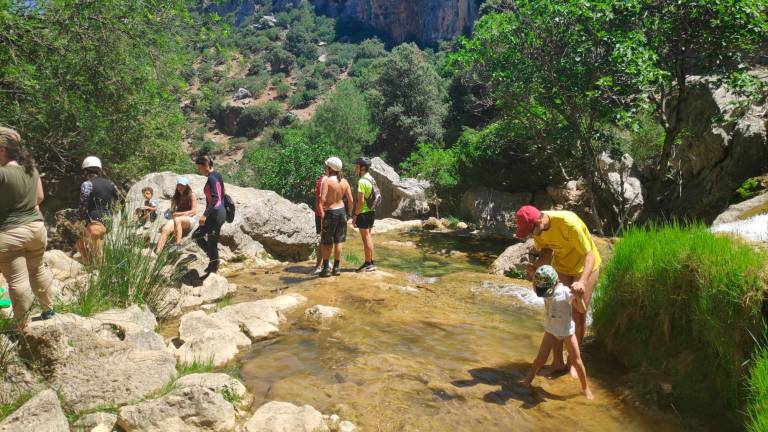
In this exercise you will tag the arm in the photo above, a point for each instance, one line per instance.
(85, 194)
(40, 192)
(350, 208)
(578, 302)
(589, 263)
(323, 195)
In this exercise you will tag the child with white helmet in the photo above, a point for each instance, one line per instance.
(558, 323)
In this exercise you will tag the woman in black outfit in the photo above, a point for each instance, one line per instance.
(214, 216)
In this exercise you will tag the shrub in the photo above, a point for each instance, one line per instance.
(129, 274)
(302, 99)
(757, 392)
(283, 89)
(255, 118)
(682, 301)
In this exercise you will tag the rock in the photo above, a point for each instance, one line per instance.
(494, 211)
(258, 320)
(263, 221)
(61, 265)
(620, 193)
(515, 257)
(753, 229)
(87, 362)
(214, 288)
(320, 313)
(725, 142)
(283, 417)
(41, 413)
(400, 198)
(432, 224)
(426, 21)
(15, 378)
(394, 225)
(242, 93)
(186, 409)
(89, 422)
(743, 210)
(215, 382)
(401, 244)
(205, 338)
(347, 426)
(574, 196)
(136, 316)
(462, 226)
(286, 302)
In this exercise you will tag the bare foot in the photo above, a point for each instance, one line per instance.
(588, 393)
(574, 375)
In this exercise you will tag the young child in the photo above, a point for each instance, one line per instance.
(148, 213)
(558, 324)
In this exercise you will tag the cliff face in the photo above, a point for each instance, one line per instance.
(423, 21)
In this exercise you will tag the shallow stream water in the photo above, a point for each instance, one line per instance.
(431, 342)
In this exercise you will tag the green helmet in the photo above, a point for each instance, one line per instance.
(545, 281)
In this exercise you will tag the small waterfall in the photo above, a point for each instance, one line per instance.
(754, 228)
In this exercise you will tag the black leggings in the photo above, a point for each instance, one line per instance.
(207, 236)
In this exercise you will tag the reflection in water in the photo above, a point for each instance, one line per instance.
(444, 355)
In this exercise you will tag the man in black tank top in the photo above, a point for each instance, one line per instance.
(98, 195)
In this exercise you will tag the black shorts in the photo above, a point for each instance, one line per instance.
(318, 224)
(334, 227)
(366, 220)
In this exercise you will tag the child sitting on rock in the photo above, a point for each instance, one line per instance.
(558, 324)
(148, 212)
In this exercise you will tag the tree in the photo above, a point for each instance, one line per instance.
(291, 167)
(661, 44)
(407, 102)
(95, 77)
(344, 121)
(280, 60)
(436, 165)
(551, 69)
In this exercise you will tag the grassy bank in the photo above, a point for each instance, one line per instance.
(757, 392)
(682, 302)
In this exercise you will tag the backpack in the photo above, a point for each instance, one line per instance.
(374, 199)
(229, 206)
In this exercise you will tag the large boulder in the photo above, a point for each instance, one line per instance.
(263, 221)
(725, 142)
(61, 265)
(743, 210)
(400, 198)
(516, 257)
(258, 320)
(493, 211)
(185, 409)
(619, 191)
(41, 413)
(283, 417)
(89, 363)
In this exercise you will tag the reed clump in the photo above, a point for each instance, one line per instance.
(677, 300)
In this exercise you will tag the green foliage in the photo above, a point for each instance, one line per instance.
(407, 102)
(344, 121)
(129, 275)
(683, 302)
(757, 392)
(10, 408)
(196, 366)
(283, 89)
(290, 167)
(302, 99)
(280, 60)
(436, 165)
(95, 77)
(352, 258)
(750, 188)
(643, 139)
(254, 119)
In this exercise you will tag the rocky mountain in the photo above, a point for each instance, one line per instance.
(423, 21)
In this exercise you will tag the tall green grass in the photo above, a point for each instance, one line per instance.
(681, 301)
(757, 392)
(129, 274)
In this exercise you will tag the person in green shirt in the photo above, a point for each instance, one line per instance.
(364, 217)
(23, 236)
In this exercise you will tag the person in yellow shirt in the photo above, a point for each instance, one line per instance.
(565, 244)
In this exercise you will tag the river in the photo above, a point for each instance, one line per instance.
(431, 342)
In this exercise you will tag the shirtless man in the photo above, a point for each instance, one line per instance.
(334, 215)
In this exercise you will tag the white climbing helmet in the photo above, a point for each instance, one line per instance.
(91, 162)
(334, 163)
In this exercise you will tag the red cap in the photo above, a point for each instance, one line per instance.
(525, 218)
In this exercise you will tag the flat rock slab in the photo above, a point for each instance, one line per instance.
(285, 417)
(205, 338)
(187, 409)
(216, 382)
(41, 413)
(91, 366)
